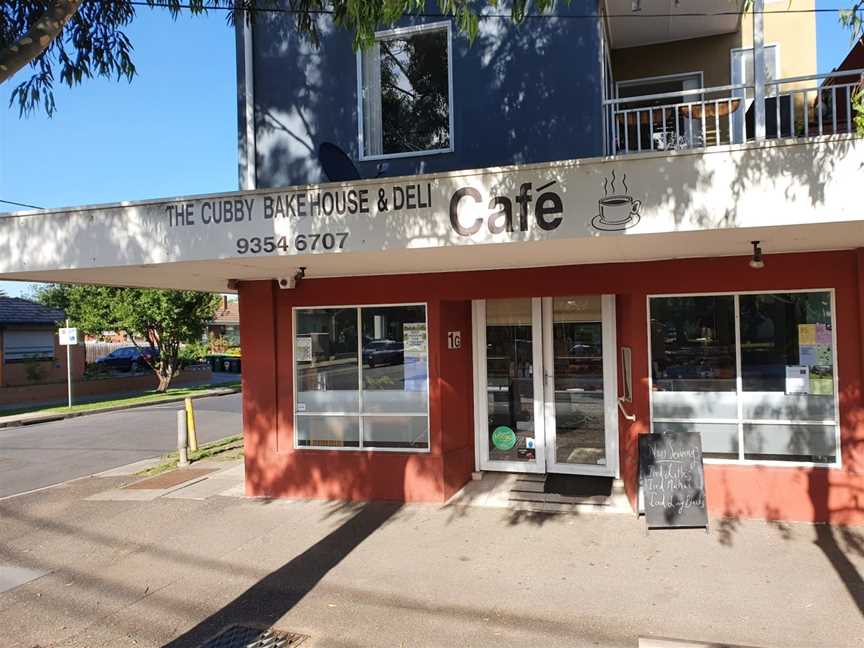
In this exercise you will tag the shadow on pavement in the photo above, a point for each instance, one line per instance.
(273, 596)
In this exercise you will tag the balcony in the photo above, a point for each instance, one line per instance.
(702, 118)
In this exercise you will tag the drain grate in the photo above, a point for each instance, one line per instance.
(240, 636)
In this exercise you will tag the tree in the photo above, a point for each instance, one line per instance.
(75, 40)
(79, 39)
(163, 319)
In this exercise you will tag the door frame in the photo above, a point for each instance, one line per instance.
(544, 405)
(610, 393)
(481, 403)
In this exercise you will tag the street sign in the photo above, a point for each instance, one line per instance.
(68, 336)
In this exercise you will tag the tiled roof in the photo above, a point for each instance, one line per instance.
(22, 311)
(230, 314)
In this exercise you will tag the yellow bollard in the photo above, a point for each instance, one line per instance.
(190, 424)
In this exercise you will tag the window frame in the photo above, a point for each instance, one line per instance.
(44, 357)
(740, 421)
(390, 34)
(359, 415)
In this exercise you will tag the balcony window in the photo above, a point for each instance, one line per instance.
(406, 93)
(753, 373)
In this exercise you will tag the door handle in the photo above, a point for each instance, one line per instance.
(629, 417)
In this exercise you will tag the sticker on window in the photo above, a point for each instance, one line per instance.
(414, 337)
(304, 349)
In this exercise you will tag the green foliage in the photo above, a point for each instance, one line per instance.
(858, 109)
(165, 319)
(89, 308)
(34, 369)
(853, 19)
(93, 42)
(415, 92)
(192, 353)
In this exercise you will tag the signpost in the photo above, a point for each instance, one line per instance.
(68, 338)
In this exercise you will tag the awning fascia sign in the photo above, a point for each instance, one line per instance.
(781, 183)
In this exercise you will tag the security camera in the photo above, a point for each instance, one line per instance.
(287, 283)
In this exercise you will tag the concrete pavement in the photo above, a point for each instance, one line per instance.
(36, 456)
(173, 571)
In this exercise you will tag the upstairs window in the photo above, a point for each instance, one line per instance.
(405, 92)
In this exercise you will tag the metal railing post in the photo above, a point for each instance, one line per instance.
(759, 70)
(182, 438)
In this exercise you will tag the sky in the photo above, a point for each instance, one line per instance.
(172, 131)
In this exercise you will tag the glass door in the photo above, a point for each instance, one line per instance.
(546, 384)
(510, 387)
(580, 385)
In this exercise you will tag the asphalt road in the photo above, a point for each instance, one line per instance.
(35, 456)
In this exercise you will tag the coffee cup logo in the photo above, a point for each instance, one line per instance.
(617, 212)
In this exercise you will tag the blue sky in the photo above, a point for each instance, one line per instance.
(172, 131)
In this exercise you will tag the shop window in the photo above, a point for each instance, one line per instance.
(782, 407)
(405, 90)
(24, 346)
(362, 377)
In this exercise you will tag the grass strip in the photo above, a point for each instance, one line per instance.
(222, 450)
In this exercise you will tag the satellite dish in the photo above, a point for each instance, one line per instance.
(337, 166)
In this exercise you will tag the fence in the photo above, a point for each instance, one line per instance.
(807, 106)
(96, 350)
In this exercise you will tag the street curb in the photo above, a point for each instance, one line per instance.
(32, 419)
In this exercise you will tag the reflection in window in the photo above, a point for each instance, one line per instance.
(510, 380)
(352, 363)
(327, 363)
(785, 408)
(787, 371)
(693, 343)
(785, 330)
(406, 93)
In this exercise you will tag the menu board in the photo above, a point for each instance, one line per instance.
(672, 478)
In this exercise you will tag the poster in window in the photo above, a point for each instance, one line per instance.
(807, 355)
(414, 337)
(797, 379)
(303, 349)
(823, 334)
(824, 356)
(414, 350)
(806, 334)
(822, 381)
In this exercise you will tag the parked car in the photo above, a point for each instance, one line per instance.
(128, 358)
(383, 352)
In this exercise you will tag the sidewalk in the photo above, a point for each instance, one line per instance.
(173, 568)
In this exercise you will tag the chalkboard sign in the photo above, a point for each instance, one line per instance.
(673, 479)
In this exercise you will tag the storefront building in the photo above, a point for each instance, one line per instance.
(535, 312)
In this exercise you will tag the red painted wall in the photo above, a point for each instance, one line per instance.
(274, 468)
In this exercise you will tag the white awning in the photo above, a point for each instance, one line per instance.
(794, 196)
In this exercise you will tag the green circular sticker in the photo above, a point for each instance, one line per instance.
(503, 438)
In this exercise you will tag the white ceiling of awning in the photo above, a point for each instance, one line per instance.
(662, 21)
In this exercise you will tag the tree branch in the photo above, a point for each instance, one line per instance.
(37, 39)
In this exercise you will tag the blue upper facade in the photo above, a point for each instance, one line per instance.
(520, 94)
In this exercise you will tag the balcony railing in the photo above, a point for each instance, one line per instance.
(706, 117)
